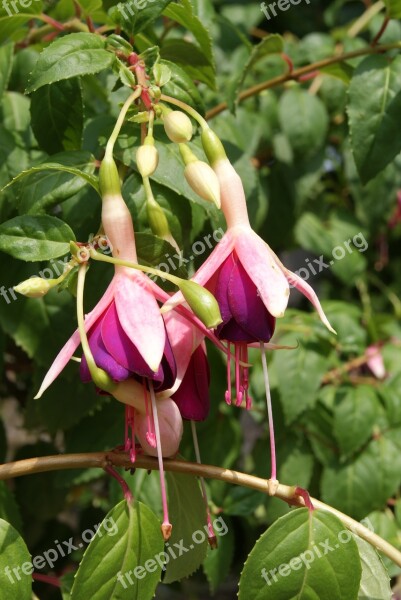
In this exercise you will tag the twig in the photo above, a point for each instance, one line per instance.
(265, 85)
(120, 459)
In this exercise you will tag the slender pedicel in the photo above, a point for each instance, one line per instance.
(273, 475)
(166, 525)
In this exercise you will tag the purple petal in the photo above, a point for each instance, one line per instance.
(169, 368)
(102, 358)
(122, 349)
(221, 289)
(247, 306)
(192, 397)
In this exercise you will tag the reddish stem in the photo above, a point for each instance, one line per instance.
(47, 579)
(90, 24)
(56, 24)
(124, 486)
(308, 76)
(380, 32)
(288, 61)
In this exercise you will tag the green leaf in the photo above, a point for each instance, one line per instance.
(393, 8)
(354, 418)
(217, 563)
(136, 16)
(299, 374)
(188, 517)
(375, 582)
(120, 562)
(6, 62)
(14, 554)
(182, 87)
(304, 555)
(90, 6)
(70, 56)
(12, 21)
(341, 70)
(184, 15)
(57, 116)
(50, 183)
(377, 468)
(374, 112)
(9, 509)
(35, 238)
(304, 121)
(192, 60)
(152, 252)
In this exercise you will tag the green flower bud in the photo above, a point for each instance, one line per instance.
(203, 180)
(157, 219)
(202, 302)
(109, 179)
(35, 287)
(178, 126)
(212, 146)
(147, 159)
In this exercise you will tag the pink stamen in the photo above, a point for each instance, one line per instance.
(228, 392)
(239, 393)
(166, 525)
(127, 443)
(273, 475)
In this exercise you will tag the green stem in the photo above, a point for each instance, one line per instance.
(191, 111)
(126, 263)
(120, 121)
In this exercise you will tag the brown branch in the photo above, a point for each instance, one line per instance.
(265, 85)
(119, 459)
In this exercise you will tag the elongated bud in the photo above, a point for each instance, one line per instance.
(178, 126)
(203, 180)
(212, 146)
(202, 302)
(147, 158)
(35, 287)
(157, 219)
(109, 179)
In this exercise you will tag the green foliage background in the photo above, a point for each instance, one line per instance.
(321, 167)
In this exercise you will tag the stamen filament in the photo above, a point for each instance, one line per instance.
(228, 391)
(270, 414)
(166, 525)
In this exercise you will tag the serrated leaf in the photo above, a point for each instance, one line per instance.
(303, 555)
(354, 418)
(12, 21)
(6, 61)
(13, 553)
(135, 17)
(70, 56)
(184, 15)
(304, 121)
(375, 582)
(57, 116)
(102, 574)
(35, 238)
(50, 183)
(374, 111)
(377, 468)
(188, 517)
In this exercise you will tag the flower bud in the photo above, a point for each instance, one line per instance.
(35, 287)
(212, 146)
(178, 126)
(109, 179)
(157, 219)
(203, 180)
(147, 159)
(202, 302)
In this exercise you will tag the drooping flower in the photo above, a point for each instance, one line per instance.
(249, 281)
